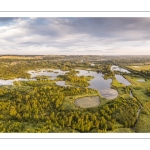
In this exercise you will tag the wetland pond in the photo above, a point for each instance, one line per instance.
(10, 82)
(122, 80)
(51, 73)
(141, 80)
(117, 68)
(98, 83)
(61, 83)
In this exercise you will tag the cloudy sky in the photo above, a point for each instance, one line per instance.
(75, 36)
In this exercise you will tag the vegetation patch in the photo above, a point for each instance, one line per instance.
(87, 102)
(41, 106)
(139, 68)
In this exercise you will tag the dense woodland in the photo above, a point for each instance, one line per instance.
(41, 109)
(40, 105)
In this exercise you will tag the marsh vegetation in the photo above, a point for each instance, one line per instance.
(64, 94)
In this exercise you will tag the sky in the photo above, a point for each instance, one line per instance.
(75, 36)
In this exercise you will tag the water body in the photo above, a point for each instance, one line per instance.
(117, 68)
(87, 102)
(6, 82)
(10, 82)
(52, 74)
(100, 84)
(92, 64)
(131, 94)
(136, 66)
(61, 83)
(122, 80)
(141, 80)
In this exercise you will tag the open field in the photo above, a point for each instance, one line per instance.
(139, 90)
(20, 57)
(87, 102)
(139, 68)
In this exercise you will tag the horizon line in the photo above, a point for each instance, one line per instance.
(71, 55)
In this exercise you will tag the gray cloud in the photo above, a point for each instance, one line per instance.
(91, 35)
(7, 20)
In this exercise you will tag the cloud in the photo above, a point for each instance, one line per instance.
(74, 35)
(7, 20)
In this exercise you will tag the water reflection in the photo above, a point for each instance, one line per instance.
(122, 80)
(53, 73)
(141, 80)
(117, 68)
(100, 84)
(10, 82)
(61, 83)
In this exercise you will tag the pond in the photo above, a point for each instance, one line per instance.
(117, 68)
(53, 73)
(100, 84)
(131, 94)
(61, 83)
(136, 66)
(141, 80)
(122, 80)
(87, 102)
(10, 82)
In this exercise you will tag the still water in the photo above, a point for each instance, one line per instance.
(141, 80)
(117, 68)
(100, 84)
(122, 80)
(10, 82)
(53, 73)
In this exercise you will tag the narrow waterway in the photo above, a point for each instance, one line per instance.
(138, 112)
(122, 80)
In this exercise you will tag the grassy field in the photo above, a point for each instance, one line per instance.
(123, 130)
(139, 90)
(69, 100)
(139, 68)
(20, 57)
(87, 102)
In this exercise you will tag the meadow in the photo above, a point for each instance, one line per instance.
(140, 67)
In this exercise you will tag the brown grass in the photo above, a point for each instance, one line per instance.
(21, 57)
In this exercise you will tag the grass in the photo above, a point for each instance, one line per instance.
(69, 100)
(16, 57)
(116, 84)
(119, 87)
(88, 102)
(123, 130)
(139, 68)
(143, 125)
(139, 92)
